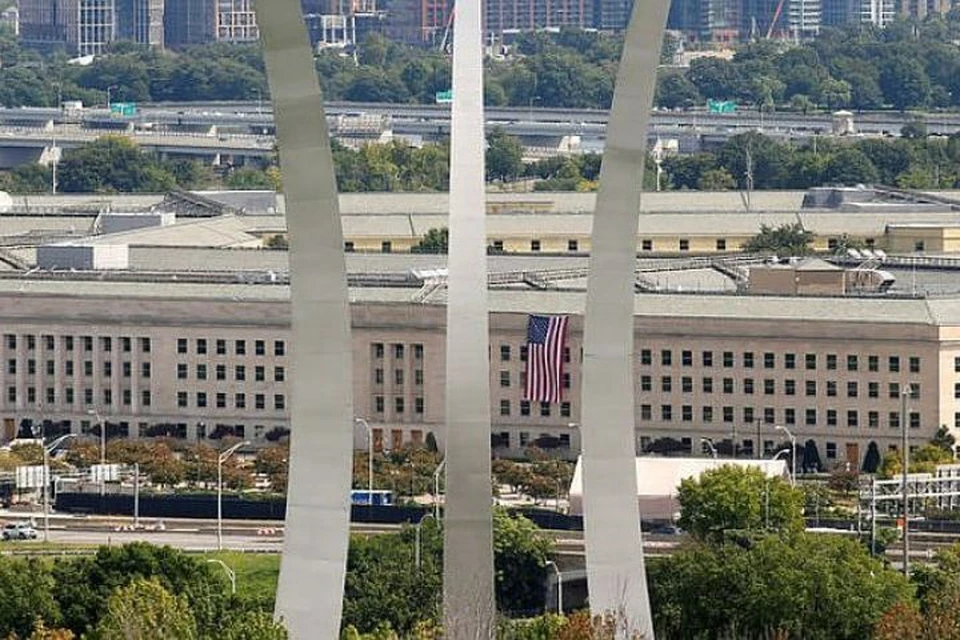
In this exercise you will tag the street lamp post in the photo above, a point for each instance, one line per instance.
(793, 453)
(109, 89)
(220, 460)
(103, 446)
(47, 450)
(231, 574)
(366, 425)
(436, 489)
(417, 553)
(906, 463)
(709, 443)
(551, 563)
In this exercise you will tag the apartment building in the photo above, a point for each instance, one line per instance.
(82, 27)
(192, 360)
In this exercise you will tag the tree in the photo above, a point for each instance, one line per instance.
(675, 91)
(806, 586)
(784, 241)
(943, 439)
(716, 180)
(871, 461)
(924, 460)
(521, 553)
(435, 241)
(811, 456)
(253, 625)
(111, 164)
(504, 156)
(904, 82)
(145, 609)
(914, 130)
(28, 596)
(733, 498)
(850, 167)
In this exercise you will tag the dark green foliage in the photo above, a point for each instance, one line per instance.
(809, 586)
(436, 241)
(112, 163)
(784, 241)
(27, 594)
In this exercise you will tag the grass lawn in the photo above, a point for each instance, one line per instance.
(256, 572)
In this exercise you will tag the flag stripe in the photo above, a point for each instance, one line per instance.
(546, 339)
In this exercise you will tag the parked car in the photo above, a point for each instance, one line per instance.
(19, 531)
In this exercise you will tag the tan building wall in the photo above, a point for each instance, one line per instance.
(198, 363)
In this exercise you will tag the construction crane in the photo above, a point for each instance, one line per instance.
(776, 16)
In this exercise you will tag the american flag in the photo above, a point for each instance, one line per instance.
(546, 338)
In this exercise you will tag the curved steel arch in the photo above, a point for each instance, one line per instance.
(312, 570)
(616, 578)
(469, 610)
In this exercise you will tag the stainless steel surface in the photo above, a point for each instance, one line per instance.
(469, 610)
(312, 571)
(616, 577)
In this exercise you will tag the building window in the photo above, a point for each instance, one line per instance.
(893, 364)
(279, 348)
(398, 405)
(748, 359)
(707, 414)
(504, 378)
(573, 245)
(852, 390)
(790, 387)
(378, 350)
(240, 400)
(259, 402)
(279, 374)
(721, 244)
(707, 358)
(811, 417)
(12, 367)
(811, 387)
(769, 387)
(646, 357)
(769, 415)
(240, 347)
(707, 385)
(88, 368)
(728, 360)
(831, 450)
(221, 347)
(666, 384)
(852, 363)
(146, 398)
(201, 346)
(686, 384)
(810, 361)
(398, 377)
(728, 414)
(127, 369)
(201, 399)
(914, 364)
(348, 246)
(686, 358)
(240, 372)
(418, 405)
(221, 400)
(873, 363)
(646, 245)
(748, 415)
(378, 404)
(684, 244)
(666, 357)
(504, 353)
(893, 420)
(398, 352)
(181, 371)
(853, 418)
(144, 345)
(666, 412)
(68, 368)
(748, 386)
(523, 353)
(181, 398)
(524, 407)
(545, 409)
(259, 373)
(386, 246)
(790, 361)
(831, 388)
(831, 362)
(505, 407)
(769, 360)
(418, 377)
(221, 372)
(893, 390)
(873, 389)
(873, 419)
(728, 385)
(181, 345)
(646, 384)
(566, 379)
(790, 416)
(914, 419)
(564, 409)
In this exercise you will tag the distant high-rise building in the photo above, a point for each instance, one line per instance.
(526, 15)
(141, 21)
(611, 15)
(920, 9)
(10, 17)
(803, 19)
(879, 13)
(834, 13)
(236, 21)
(83, 27)
(418, 21)
(706, 20)
(189, 22)
(340, 23)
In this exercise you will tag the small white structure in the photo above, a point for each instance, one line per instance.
(6, 202)
(659, 478)
(83, 257)
(843, 124)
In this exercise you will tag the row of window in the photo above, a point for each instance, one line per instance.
(506, 353)
(68, 396)
(506, 408)
(398, 350)
(790, 415)
(745, 447)
(505, 379)
(748, 386)
(68, 343)
(399, 405)
(748, 360)
(201, 347)
(399, 376)
(202, 398)
(239, 372)
(69, 368)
